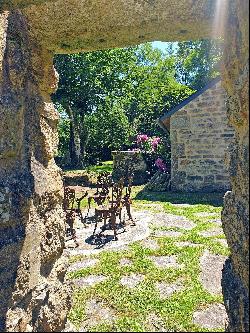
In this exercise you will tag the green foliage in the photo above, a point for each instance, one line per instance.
(64, 133)
(108, 130)
(155, 90)
(108, 97)
(197, 62)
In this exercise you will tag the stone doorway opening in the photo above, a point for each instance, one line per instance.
(34, 296)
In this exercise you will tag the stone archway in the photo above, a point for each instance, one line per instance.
(33, 296)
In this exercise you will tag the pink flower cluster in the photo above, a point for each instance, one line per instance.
(141, 138)
(160, 164)
(155, 142)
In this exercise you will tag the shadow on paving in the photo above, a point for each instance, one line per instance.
(195, 198)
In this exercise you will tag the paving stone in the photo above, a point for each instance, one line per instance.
(89, 281)
(166, 290)
(167, 233)
(97, 313)
(70, 244)
(222, 241)
(211, 232)
(89, 246)
(186, 243)
(125, 262)
(83, 264)
(172, 221)
(150, 244)
(216, 221)
(154, 323)
(213, 317)
(211, 271)
(131, 281)
(165, 261)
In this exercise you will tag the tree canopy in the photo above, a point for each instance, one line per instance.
(197, 62)
(106, 98)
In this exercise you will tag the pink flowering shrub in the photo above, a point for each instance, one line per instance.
(160, 164)
(152, 149)
(141, 138)
(155, 142)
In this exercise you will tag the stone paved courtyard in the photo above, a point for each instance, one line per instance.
(164, 274)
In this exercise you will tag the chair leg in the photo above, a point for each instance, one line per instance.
(96, 221)
(128, 209)
(89, 204)
(105, 216)
(113, 224)
(74, 237)
(83, 219)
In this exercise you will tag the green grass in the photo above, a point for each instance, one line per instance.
(91, 171)
(131, 307)
(106, 166)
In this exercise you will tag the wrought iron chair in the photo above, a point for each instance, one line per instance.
(69, 202)
(68, 207)
(78, 209)
(102, 190)
(127, 201)
(111, 210)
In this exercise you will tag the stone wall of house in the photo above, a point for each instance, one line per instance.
(200, 136)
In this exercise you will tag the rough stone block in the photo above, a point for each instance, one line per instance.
(178, 180)
(222, 178)
(180, 122)
(178, 149)
(195, 178)
(127, 162)
(209, 179)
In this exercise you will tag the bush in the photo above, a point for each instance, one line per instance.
(156, 152)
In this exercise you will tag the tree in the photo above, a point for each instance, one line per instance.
(85, 80)
(109, 130)
(108, 97)
(197, 62)
(153, 90)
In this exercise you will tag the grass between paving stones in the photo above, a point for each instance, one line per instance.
(132, 306)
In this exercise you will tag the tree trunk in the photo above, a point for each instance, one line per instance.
(75, 141)
(84, 137)
(72, 153)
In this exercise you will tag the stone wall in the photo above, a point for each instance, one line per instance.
(235, 215)
(126, 163)
(33, 295)
(200, 136)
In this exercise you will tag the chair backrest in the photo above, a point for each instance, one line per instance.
(103, 183)
(116, 192)
(69, 198)
(79, 200)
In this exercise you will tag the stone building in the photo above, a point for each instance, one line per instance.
(200, 136)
